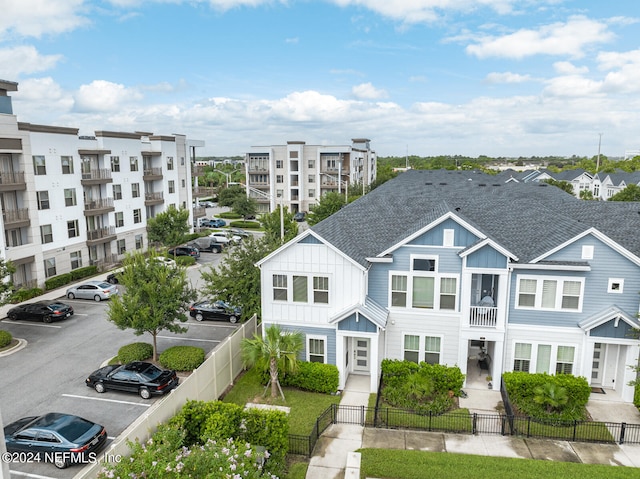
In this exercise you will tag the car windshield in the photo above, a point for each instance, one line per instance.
(150, 373)
(104, 285)
(72, 427)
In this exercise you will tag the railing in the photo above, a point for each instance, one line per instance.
(12, 177)
(99, 204)
(152, 172)
(98, 174)
(105, 262)
(197, 170)
(15, 216)
(484, 316)
(100, 233)
(199, 211)
(154, 196)
(203, 191)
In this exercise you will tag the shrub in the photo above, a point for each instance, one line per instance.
(245, 224)
(229, 215)
(315, 377)
(24, 294)
(182, 358)
(135, 352)
(184, 260)
(5, 338)
(84, 272)
(192, 236)
(636, 395)
(57, 281)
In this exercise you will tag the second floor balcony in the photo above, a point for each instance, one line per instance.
(15, 218)
(101, 235)
(153, 198)
(152, 174)
(12, 181)
(483, 316)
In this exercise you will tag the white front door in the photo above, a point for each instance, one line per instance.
(596, 365)
(361, 355)
(611, 365)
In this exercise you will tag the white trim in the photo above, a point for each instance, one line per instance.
(553, 356)
(619, 282)
(411, 275)
(587, 251)
(316, 336)
(489, 242)
(422, 344)
(560, 281)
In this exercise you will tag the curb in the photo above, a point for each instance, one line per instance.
(22, 343)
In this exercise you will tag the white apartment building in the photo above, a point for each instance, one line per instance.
(296, 175)
(70, 201)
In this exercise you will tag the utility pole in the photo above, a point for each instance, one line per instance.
(598, 162)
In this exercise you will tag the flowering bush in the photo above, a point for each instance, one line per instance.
(165, 457)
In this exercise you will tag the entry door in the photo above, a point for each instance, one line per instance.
(596, 365)
(361, 355)
(611, 365)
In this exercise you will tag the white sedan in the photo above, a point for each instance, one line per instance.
(225, 238)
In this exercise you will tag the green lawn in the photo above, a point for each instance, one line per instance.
(402, 464)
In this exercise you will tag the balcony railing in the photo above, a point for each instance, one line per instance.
(199, 211)
(157, 196)
(97, 174)
(155, 172)
(99, 204)
(201, 191)
(197, 170)
(12, 178)
(483, 316)
(93, 235)
(15, 216)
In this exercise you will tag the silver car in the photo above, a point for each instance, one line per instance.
(96, 290)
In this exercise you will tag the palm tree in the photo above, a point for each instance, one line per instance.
(277, 350)
(551, 396)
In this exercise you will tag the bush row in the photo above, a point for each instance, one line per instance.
(66, 278)
(135, 352)
(229, 215)
(314, 377)
(5, 338)
(182, 358)
(249, 225)
(23, 294)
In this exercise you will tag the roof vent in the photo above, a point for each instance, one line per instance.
(428, 183)
(442, 184)
(458, 209)
(482, 184)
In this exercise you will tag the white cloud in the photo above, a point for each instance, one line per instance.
(609, 60)
(367, 91)
(294, 41)
(571, 38)
(507, 77)
(572, 86)
(35, 18)
(104, 96)
(24, 60)
(568, 68)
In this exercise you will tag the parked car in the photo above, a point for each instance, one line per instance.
(112, 278)
(207, 244)
(96, 290)
(300, 216)
(239, 232)
(138, 377)
(215, 310)
(45, 311)
(215, 223)
(163, 260)
(201, 222)
(64, 439)
(225, 237)
(184, 251)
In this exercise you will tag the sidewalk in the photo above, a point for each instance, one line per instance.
(333, 448)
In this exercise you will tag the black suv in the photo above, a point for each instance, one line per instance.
(184, 251)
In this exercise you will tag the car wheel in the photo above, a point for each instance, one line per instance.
(233, 319)
(199, 317)
(13, 316)
(71, 296)
(99, 387)
(46, 319)
(60, 461)
(144, 393)
(97, 298)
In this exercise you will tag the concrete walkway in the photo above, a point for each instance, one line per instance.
(334, 448)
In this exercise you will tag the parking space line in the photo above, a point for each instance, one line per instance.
(26, 474)
(191, 339)
(211, 325)
(106, 400)
(30, 323)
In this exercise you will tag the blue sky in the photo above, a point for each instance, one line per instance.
(427, 77)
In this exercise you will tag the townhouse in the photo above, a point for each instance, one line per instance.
(296, 175)
(71, 200)
(458, 268)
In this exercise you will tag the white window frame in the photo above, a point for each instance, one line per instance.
(559, 293)
(316, 337)
(587, 251)
(119, 219)
(293, 288)
(318, 290)
(422, 341)
(280, 287)
(616, 285)
(522, 358)
(534, 367)
(448, 236)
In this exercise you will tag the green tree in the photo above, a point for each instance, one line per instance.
(563, 185)
(329, 203)
(6, 285)
(586, 195)
(236, 280)
(169, 227)
(227, 196)
(551, 396)
(245, 206)
(630, 193)
(156, 298)
(277, 351)
(271, 224)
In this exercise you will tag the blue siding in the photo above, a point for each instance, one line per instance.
(433, 237)
(608, 330)
(363, 325)
(329, 333)
(310, 240)
(487, 257)
(606, 263)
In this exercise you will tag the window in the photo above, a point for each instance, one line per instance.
(317, 349)
(564, 362)
(398, 291)
(70, 197)
(279, 164)
(522, 357)
(587, 252)
(412, 348)
(544, 358)
(72, 228)
(423, 264)
(423, 292)
(560, 294)
(50, 267)
(39, 165)
(312, 163)
(46, 234)
(321, 289)
(115, 163)
(279, 287)
(312, 193)
(67, 165)
(117, 192)
(182, 161)
(279, 193)
(184, 184)
(447, 237)
(448, 293)
(172, 186)
(43, 200)
(312, 179)
(135, 190)
(300, 289)
(121, 247)
(279, 178)
(119, 219)
(429, 350)
(133, 163)
(616, 285)
(432, 350)
(76, 259)
(138, 241)
(169, 162)
(137, 215)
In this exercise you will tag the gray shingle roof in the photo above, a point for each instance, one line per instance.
(528, 219)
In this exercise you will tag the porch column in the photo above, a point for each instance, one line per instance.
(496, 364)
(340, 360)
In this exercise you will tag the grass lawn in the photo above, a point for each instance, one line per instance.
(305, 406)
(399, 464)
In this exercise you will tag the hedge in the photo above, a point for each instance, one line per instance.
(315, 377)
(184, 260)
(5, 338)
(250, 225)
(135, 352)
(58, 281)
(84, 272)
(24, 294)
(182, 358)
(229, 215)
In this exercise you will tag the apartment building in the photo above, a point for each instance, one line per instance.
(296, 175)
(71, 200)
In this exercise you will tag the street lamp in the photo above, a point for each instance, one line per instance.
(270, 197)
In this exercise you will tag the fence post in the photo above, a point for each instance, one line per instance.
(474, 427)
(575, 426)
(362, 416)
(623, 426)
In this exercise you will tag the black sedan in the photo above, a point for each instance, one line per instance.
(63, 439)
(138, 377)
(184, 251)
(45, 311)
(215, 310)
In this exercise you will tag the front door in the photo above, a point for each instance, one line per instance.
(361, 355)
(596, 365)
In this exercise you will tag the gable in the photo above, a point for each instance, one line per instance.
(357, 322)
(462, 237)
(613, 329)
(487, 257)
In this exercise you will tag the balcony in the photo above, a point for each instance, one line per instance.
(105, 262)
(101, 235)
(153, 199)
(17, 218)
(261, 168)
(150, 174)
(483, 316)
(98, 206)
(203, 191)
(199, 212)
(96, 177)
(197, 170)
(12, 181)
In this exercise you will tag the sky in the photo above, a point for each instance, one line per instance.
(502, 78)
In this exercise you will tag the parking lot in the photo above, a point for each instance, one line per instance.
(48, 374)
